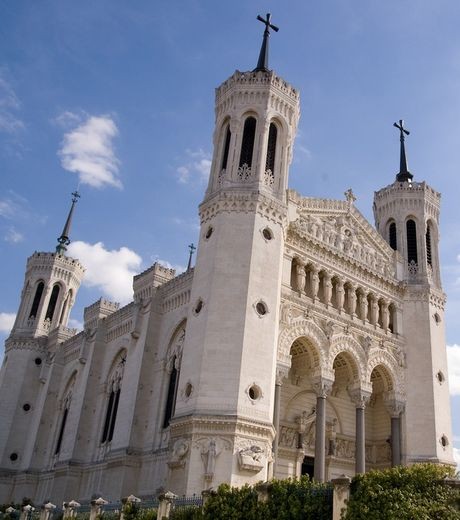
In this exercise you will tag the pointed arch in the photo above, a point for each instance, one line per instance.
(114, 382)
(52, 302)
(393, 370)
(411, 239)
(247, 143)
(64, 407)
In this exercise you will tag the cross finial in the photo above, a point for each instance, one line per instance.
(192, 250)
(404, 174)
(262, 63)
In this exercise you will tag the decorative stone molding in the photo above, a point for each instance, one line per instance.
(322, 386)
(179, 453)
(251, 459)
(360, 396)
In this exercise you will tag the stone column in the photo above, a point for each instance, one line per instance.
(164, 506)
(339, 295)
(363, 306)
(385, 315)
(360, 398)
(395, 407)
(352, 300)
(322, 388)
(301, 276)
(327, 288)
(374, 309)
(314, 278)
(341, 495)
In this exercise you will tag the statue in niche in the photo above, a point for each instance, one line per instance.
(209, 454)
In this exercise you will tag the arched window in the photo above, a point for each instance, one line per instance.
(65, 406)
(37, 298)
(392, 236)
(65, 307)
(111, 415)
(172, 394)
(52, 303)
(428, 244)
(114, 386)
(271, 148)
(228, 135)
(247, 145)
(411, 231)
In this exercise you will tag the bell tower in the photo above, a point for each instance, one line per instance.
(50, 286)
(225, 399)
(407, 216)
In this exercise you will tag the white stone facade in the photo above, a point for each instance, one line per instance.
(303, 341)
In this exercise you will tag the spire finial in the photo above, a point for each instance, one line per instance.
(262, 64)
(404, 174)
(64, 239)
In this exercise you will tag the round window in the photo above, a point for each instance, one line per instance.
(26, 407)
(14, 457)
(261, 308)
(198, 306)
(267, 233)
(188, 390)
(254, 392)
(38, 361)
(209, 232)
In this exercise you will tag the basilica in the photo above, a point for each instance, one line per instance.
(305, 340)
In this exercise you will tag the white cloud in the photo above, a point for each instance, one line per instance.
(178, 268)
(89, 151)
(6, 321)
(9, 105)
(75, 324)
(7, 208)
(196, 167)
(453, 359)
(110, 271)
(13, 236)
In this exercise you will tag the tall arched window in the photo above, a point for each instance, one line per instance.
(61, 431)
(228, 135)
(65, 407)
(271, 148)
(428, 244)
(65, 307)
(392, 236)
(37, 298)
(247, 145)
(114, 390)
(172, 394)
(52, 303)
(411, 231)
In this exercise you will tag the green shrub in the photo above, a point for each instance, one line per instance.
(403, 493)
(147, 514)
(287, 500)
(186, 513)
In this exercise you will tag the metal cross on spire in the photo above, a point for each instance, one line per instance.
(192, 250)
(64, 239)
(262, 64)
(404, 174)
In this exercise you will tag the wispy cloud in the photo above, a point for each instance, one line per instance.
(13, 236)
(453, 359)
(75, 324)
(195, 167)
(6, 322)
(88, 149)
(110, 271)
(10, 123)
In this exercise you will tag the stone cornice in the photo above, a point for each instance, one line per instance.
(243, 201)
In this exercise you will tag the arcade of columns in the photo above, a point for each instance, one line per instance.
(365, 307)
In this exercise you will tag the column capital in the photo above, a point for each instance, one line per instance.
(322, 386)
(281, 374)
(394, 404)
(360, 396)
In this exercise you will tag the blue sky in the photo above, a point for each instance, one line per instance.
(118, 96)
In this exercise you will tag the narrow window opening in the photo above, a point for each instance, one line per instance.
(228, 135)
(392, 236)
(271, 148)
(428, 245)
(171, 397)
(52, 303)
(61, 431)
(37, 298)
(247, 146)
(113, 417)
(108, 415)
(411, 230)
